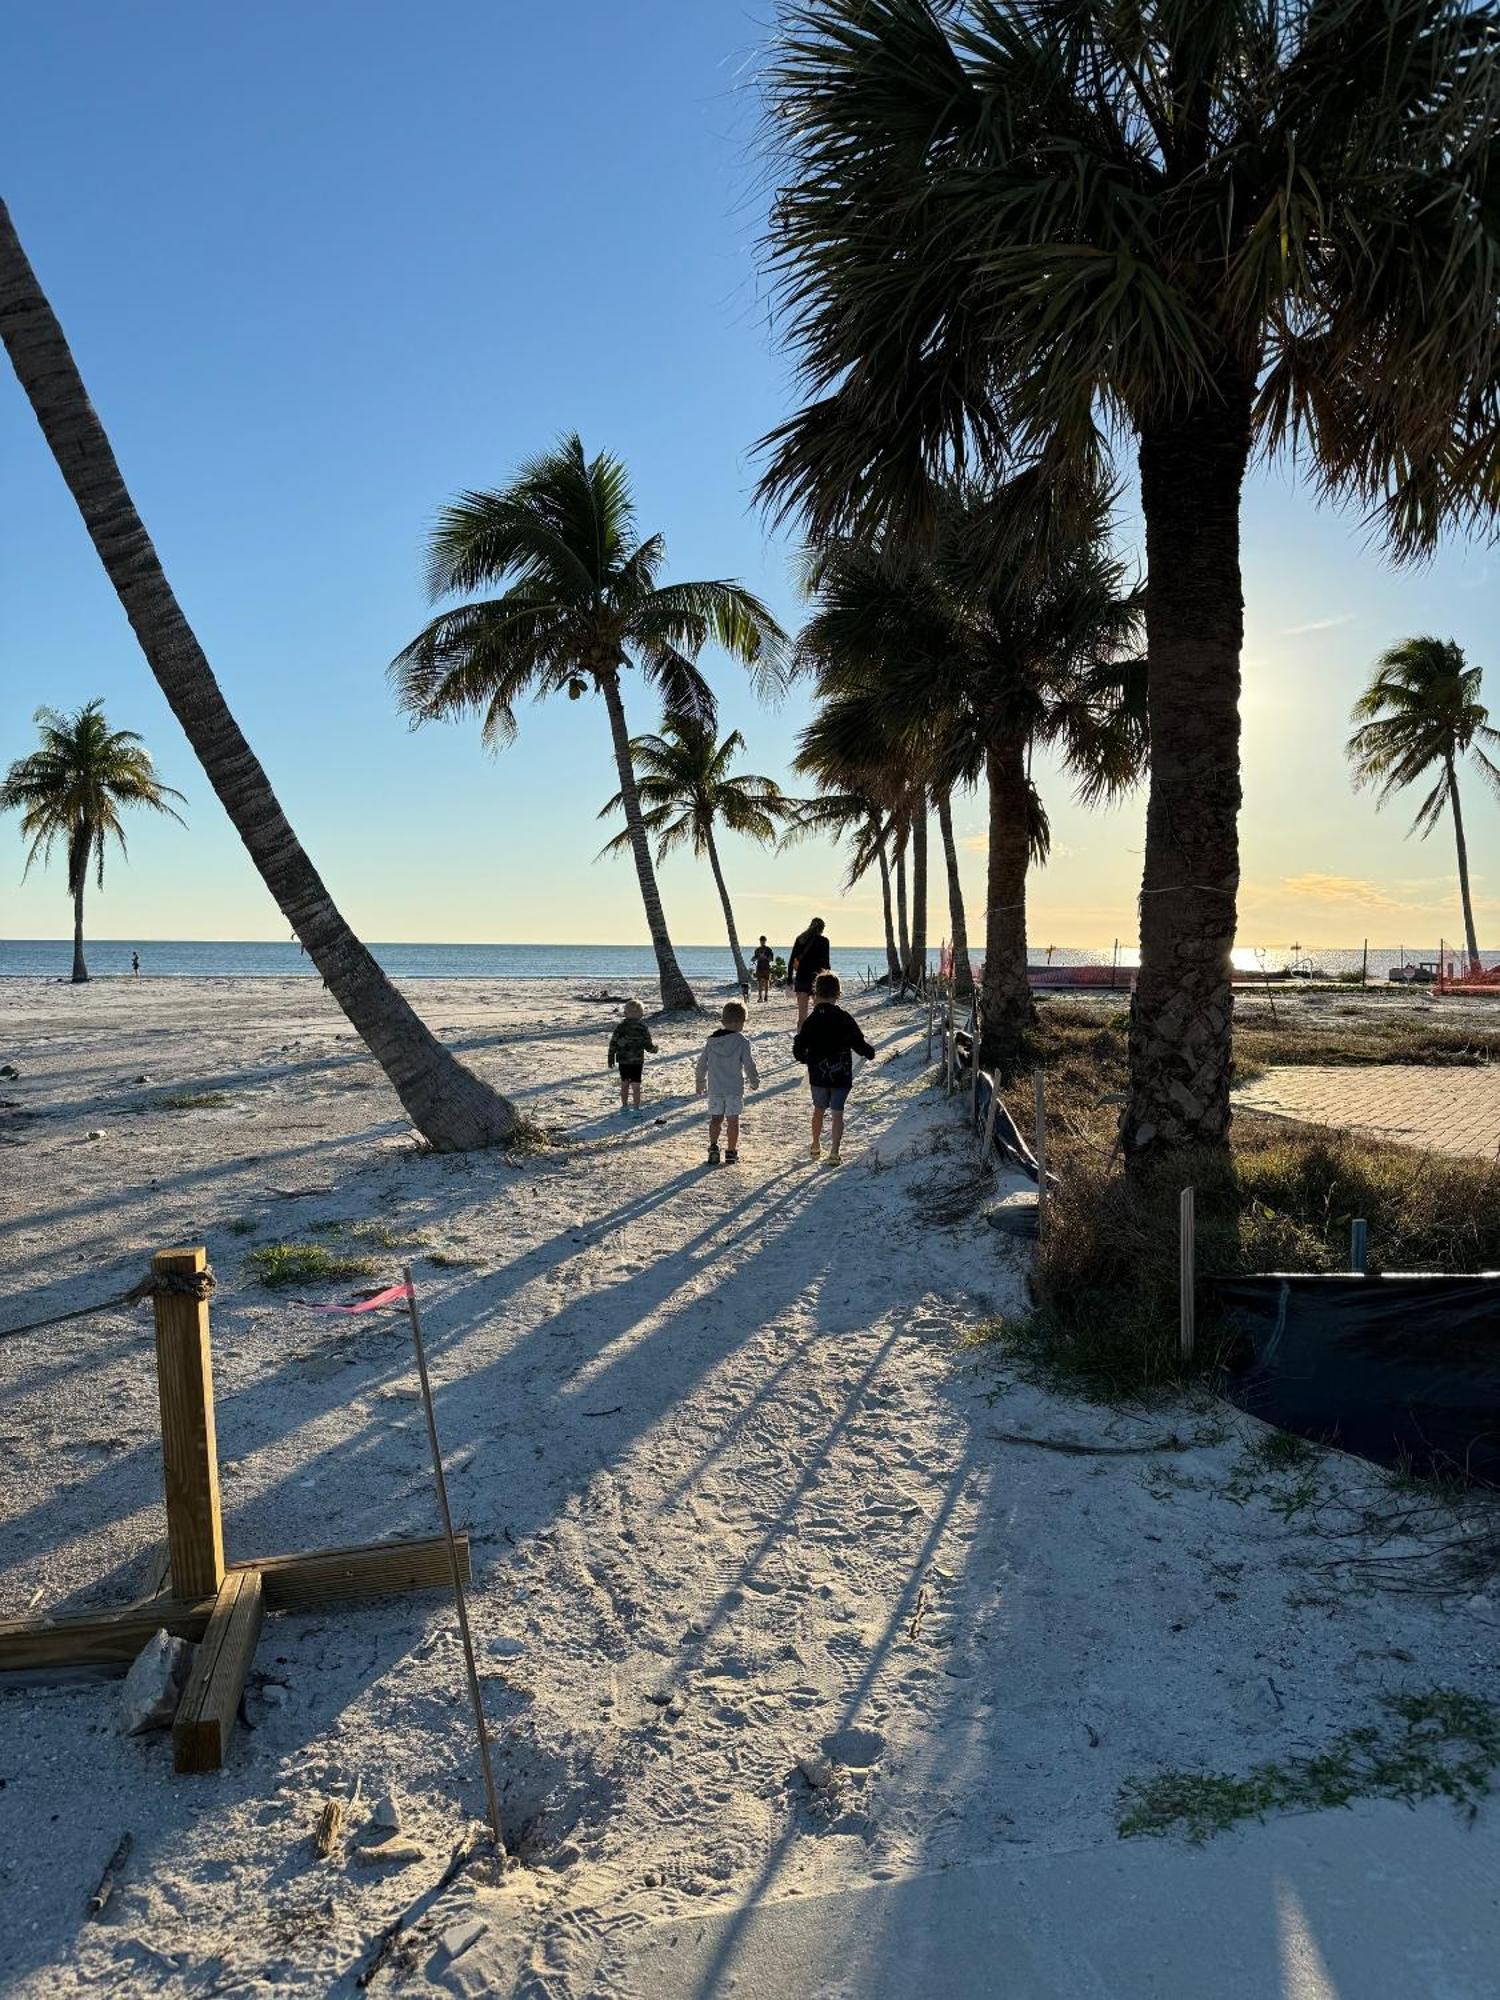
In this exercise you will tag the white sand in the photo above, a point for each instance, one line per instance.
(730, 1482)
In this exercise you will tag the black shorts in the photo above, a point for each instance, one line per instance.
(630, 1072)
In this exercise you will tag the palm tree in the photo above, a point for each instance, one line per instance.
(71, 790)
(1420, 713)
(449, 1105)
(953, 661)
(853, 815)
(576, 601)
(685, 787)
(1007, 231)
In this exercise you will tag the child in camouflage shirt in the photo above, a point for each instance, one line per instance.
(628, 1047)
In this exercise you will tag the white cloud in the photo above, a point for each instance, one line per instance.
(1316, 625)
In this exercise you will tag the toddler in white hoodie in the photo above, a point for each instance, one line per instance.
(724, 1067)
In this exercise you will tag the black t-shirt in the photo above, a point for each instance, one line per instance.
(826, 1042)
(763, 958)
(810, 954)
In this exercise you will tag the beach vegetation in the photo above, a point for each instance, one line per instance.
(574, 600)
(1418, 720)
(1008, 238)
(687, 787)
(72, 792)
(448, 1104)
(278, 1265)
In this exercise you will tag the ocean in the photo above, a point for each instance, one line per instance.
(587, 964)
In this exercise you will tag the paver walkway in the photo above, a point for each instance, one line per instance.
(1443, 1110)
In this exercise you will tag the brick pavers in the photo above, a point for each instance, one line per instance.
(1444, 1110)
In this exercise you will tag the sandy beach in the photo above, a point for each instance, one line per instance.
(731, 1470)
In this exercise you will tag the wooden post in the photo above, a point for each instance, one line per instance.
(1186, 1274)
(211, 1700)
(973, 1073)
(987, 1143)
(931, 1006)
(1359, 1245)
(1364, 966)
(189, 1449)
(1039, 1090)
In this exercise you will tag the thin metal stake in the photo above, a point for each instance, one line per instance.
(1187, 1273)
(1039, 1093)
(1359, 1245)
(458, 1588)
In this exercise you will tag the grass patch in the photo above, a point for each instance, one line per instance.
(370, 1229)
(1440, 1744)
(243, 1225)
(277, 1265)
(1105, 1284)
(194, 1100)
(450, 1260)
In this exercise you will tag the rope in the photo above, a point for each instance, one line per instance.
(185, 1284)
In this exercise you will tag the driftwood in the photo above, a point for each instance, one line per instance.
(111, 1874)
(385, 1945)
(330, 1821)
(1076, 1450)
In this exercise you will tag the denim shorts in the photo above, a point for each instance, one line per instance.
(830, 1096)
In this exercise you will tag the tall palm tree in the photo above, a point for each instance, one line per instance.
(840, 813)
(955, 659)
(686, 787)
(1422, 713)
(1009, 229)
(576, 600)
(71, 790)
(447, 1103)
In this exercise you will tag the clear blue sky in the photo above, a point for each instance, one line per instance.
(322, 265)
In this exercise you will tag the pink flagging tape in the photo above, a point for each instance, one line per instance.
(386, 1298)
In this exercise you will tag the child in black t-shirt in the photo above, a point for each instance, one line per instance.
(827, 1042)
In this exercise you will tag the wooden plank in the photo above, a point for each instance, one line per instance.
(375, 1569)
(210, 1702)
(158, 1578)
(189, 1449)
(97, 1638)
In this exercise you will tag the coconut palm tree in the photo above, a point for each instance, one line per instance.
(71, 791)
(449, 1105)
(1007, 232)
(1422, 713)
(686, 787)
(853, 815)
(576, 602)
(957, 659)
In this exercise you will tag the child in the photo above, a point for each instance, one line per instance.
(826, 1042)
(764, 958)
(727, 1060)
(627, 1047)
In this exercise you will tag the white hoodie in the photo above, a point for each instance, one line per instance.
(726, 1060)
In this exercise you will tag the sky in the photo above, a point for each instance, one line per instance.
(324, 266)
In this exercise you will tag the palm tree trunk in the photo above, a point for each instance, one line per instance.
(80, 969)
(916, 964)
(1470, 934)
(741, 970)
(958, 927)
(449, 1106)
(892, 956)
(901, 926)
(1006, 1010)
(675, 991)
(1181, 1017)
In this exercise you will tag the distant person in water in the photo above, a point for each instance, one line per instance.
(135, 963)
(726, 1065)
(763, 958)
(809, 957)
(629, 1046)
(828, 1041)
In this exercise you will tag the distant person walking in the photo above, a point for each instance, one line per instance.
(135, 963)
(629, 1046)
(763, 958)
(827, 1042)
(809, 958)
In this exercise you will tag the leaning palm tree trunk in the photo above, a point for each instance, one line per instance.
(916, 962)
(1470, 934)
(1006, 1010)
(741, 970)
(958, 928)
(450, 1107)
(1182, 1011)
(675, 991)
(892, 956)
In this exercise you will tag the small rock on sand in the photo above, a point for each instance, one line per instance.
(396, 1851)
(458, 1937)
(386, 1813)
(154, 1685)
(818, 1771)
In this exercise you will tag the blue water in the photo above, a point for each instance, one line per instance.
(706, 964)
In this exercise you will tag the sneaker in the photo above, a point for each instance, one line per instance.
(713, 1156)
(732, 1157)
